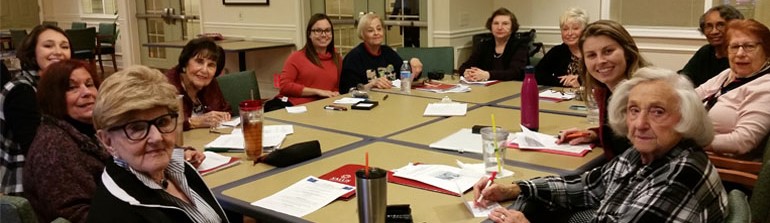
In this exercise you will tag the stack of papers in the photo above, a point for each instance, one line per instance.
(546, 143)
(272, 138)
(485, 83)
(556, 96)
(215, 162)
(448, 178)
(445, 109)
(464, 140)
(304, 197)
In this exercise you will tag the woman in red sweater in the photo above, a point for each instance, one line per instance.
(313, 72)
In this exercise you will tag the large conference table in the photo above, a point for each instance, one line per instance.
(394, 134)
(236, 45)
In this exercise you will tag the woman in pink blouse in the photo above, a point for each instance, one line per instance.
(737, 98)
(313, 72)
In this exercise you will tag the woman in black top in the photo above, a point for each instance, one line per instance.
(504, 57)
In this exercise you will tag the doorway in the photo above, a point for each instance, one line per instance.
(164, 21)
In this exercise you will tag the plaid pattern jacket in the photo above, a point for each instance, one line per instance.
(681, 186)
(11, 154)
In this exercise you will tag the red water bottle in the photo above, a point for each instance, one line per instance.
(530, 117)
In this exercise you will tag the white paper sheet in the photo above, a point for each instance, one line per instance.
(348, 100)
(479, 212)
(479, 168)
(445, 109)
(528, 139)
(296, 109)
(236, 141)
(304, 197)
(445, 177)
(232, 123)
(556, 95)
(462, 141)
(466, 81)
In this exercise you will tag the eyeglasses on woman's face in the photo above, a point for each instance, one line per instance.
(321, 31)
(747, 47)
(138, 130)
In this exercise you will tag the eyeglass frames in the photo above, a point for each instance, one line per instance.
(138, 130)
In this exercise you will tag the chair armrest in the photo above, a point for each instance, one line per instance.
(735, 164)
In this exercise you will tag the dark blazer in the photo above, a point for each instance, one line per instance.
(509, 66)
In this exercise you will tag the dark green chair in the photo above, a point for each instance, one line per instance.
(106, 44)
(53, 23)
(237, 87)
(17, 36)
(83, 43)
(78, 25)
(434, 59)
(755, 175)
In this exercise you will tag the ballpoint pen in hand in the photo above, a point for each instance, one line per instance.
(491, 178)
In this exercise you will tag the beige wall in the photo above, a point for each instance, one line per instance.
(15, 14)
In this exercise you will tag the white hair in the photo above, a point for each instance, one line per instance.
(574, 14)
(695, 123)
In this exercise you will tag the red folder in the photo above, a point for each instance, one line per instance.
(345, 175)
(434, 85)
(232, 162)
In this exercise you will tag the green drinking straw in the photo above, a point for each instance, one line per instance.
(494, 141)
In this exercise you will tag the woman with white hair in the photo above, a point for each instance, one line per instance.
(561, 65)
(361, 64)
(665, 176)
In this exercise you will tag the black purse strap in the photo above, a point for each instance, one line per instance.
(739, 81)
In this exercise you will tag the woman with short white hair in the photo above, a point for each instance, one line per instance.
(360, 66)
(664, 177)
(561, 65)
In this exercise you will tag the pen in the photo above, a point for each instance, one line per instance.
(385, 98)
(336, 108)
(574, 135)
(491, 178)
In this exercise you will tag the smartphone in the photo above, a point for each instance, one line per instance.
(578, 107)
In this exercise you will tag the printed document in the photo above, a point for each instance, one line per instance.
(446, 109)
(304, 197)
(442, 176)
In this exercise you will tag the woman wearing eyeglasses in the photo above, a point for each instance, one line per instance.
(737, 98)
(148, 180)
(313, 72)
(194, 77)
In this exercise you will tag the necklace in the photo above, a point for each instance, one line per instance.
(164, 183)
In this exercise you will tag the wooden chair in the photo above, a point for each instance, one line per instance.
(237, 87)
(753, 175)
(54, 23)
(78, 25)
(106, 44)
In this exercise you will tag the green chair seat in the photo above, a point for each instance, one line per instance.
(237, 87)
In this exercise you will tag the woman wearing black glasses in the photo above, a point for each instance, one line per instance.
(313, 72)
(737, 98)
(148, 180)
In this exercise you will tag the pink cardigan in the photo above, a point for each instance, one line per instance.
(741, 117)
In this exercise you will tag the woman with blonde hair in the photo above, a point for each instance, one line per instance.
(361, 64)
(561, 65)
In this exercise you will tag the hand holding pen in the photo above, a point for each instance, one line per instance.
(485, 191)
(574, 136)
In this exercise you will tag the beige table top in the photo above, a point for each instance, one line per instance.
(182, 43)
(426, 206)
(394, 114)
(559, 107)
(247, 45)
(479, 94)
(508, 119)
(199, 137)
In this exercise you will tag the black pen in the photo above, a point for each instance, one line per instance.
(385, 98)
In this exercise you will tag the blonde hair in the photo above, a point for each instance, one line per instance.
(695, 123)
(575, 14)
(364, 23)
(132, 89)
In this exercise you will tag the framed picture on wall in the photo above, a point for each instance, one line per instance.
(246, 2)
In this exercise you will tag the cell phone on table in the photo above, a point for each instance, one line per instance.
(335, 107)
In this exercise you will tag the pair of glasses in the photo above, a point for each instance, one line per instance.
(747, 47)
(138, 130)
(321, 31)
(719, 26)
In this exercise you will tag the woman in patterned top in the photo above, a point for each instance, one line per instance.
(665, 176)
(561, 65)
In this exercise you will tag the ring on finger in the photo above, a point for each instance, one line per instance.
(502, 216)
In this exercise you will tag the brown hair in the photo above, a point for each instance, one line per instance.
(26, 52)
(54, 84)
(615, 31)
(751, 27)
(310, 52)
(504, 12)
